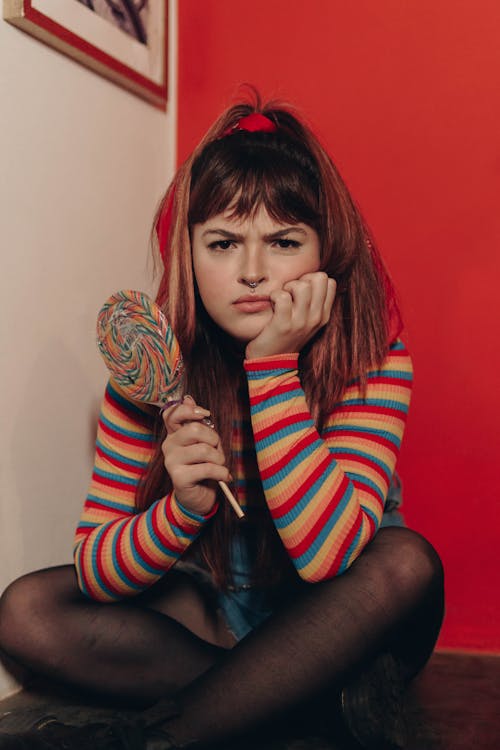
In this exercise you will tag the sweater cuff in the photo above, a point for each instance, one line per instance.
(275, 362)
(187, 517)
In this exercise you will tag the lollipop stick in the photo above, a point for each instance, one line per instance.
(225, 489)
(232, 500)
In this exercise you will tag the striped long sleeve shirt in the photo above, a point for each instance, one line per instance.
(325, 492)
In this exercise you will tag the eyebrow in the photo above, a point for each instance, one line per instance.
(267, 237)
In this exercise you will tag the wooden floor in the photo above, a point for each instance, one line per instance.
(460, 699)
(455, 705)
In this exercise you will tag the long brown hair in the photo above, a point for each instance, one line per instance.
(291, 175)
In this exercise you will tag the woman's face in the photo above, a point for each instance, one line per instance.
(239, 262)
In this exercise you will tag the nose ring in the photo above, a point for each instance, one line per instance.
(253, 284)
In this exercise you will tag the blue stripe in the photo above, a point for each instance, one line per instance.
(111, 504)
(363, 481)
(369, 456)
(397, 346)
(269, 373)
(131, 481)
(87, 525)
(372, 515)
(191, 515)
(118, 569)
(300, 506)
(271, 440)
(128, 404)
(396, 374)
(77, 555)
(326, 530)
(384, 402)
(282, 398)
(165, 550)
(292, 464)
(135, 553)
(95, 547)
(120, 457)
(345, 561)
(128, 433)
(154, 537)
(362, 430)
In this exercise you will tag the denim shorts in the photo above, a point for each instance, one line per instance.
(243, 606)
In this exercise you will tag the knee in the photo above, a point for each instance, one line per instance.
(16, 613)
(27, 608)
(413, 563)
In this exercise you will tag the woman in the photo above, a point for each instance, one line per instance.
(289, 330)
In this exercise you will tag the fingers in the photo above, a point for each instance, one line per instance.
(194, 433)
(310, 300)
(178, 414)
(189, 464)
(187, 476)
(192, 442)
(300, 309)
(329, 300)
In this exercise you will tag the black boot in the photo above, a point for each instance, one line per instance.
(141, 733)
(373, 709)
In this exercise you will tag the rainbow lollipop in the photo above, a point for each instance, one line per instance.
(142, 353)
(139, 347)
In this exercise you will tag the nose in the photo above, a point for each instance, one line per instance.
(252, 271)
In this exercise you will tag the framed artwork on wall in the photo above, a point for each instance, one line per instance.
(124, 40)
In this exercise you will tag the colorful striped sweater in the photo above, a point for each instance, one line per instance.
(325, 492)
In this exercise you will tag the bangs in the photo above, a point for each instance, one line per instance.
(241, 173)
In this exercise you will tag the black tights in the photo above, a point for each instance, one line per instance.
(391, 599)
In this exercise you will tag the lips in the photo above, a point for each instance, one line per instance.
(252, 303)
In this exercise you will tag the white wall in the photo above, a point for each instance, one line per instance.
(83, 164)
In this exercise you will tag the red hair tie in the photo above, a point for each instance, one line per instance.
(253, 123)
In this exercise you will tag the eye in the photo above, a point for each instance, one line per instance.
(220, 245)
(286, 244)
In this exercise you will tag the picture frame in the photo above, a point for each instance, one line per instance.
(76, 29)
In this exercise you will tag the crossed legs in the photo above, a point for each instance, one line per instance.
(391, 599)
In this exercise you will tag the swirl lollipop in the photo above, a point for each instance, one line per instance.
(139, 347)
(143, 355)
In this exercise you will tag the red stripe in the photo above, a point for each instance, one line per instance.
(101, 506)
(337, 561)
(347, 456)
(283, 363)
(175, 550)
(186, 527)
(283, 509)
(287, 457)
(391, 380)
(368, 489)
(280, 425)
(79, 560)
(100, 567)
(119, 464)
(122, 563)
(369, 410)
(106, 482)
(313, 533)
(331, 438)
(143, 553)
(142, 418)
(276, 391)
(124, 438)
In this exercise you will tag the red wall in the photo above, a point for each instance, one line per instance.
(406, 97)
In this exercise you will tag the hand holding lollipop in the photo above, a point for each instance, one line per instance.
(143, 355)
